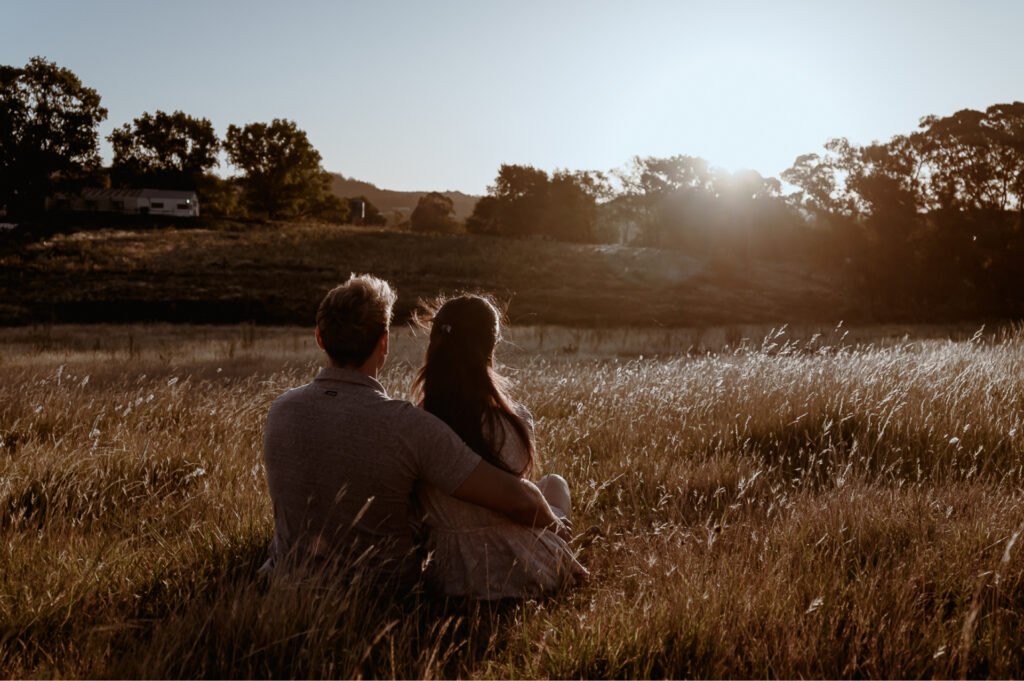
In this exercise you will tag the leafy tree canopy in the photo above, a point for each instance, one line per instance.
(168, 149)
(282, 177)
(48, 133)
(433, 213)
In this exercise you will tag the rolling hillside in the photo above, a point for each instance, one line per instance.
(277, 273)
(389, 201)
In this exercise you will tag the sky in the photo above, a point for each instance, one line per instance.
(436, 95)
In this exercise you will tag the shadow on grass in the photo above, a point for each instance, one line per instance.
(217, 618)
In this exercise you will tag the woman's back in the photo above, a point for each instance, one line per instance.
(481, 554)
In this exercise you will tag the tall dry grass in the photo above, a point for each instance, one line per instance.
(784, 508)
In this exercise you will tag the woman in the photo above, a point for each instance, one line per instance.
(477, 552)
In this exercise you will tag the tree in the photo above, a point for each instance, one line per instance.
(171, 151)
(655, 176)
(434, 212)
(1006, 125)
(816, 182)
(670, 199)
(975, 158)
(282, 177)
(484, 219)
(525, 201)
(571, 211)
(48, 133)
(749, 218)
(219, 197)
(331, 208)
(521, 194)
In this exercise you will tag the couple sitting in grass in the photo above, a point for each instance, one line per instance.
(436, 492)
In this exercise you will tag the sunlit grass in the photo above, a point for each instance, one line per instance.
(786, 507)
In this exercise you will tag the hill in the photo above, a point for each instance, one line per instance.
(389, 201)
(277, 273)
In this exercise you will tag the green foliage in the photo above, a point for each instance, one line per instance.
(434, 212)
(816, 184)
(924, 219)
(930, 217)
(484, 219)
(553, 282)
(525, 201)
(522, 197)
(572, 198)
(331, 208)
(168, 151)
(48, 134)
(219, 197)
(680, 202)
(282, 177)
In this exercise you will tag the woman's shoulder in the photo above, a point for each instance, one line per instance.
(524, 415)
(512, 449)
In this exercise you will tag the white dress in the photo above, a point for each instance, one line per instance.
(481, 554)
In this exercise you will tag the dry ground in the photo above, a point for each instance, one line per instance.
(789, 507)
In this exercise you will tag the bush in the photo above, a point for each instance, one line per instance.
(434, 213)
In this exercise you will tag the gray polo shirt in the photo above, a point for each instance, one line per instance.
(342, 462)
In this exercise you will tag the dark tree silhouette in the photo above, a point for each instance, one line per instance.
(282, 177)
(172, 151)
(521, 192)
(484, 219)
(525, 201)
(931, 222)
(434, 212)
(571, 212)
(48, 133)
(669, 199)
(816, 182)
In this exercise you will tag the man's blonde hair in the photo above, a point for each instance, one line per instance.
(352, 318)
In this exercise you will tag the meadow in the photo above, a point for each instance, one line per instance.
(276, 273)
(750, 503)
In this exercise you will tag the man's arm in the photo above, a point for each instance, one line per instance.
(514, 497)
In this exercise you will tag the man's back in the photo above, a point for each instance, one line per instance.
(342, 461)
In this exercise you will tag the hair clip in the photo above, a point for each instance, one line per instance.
(447, 328)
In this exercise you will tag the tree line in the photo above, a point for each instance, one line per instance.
(49, 142)
(929, 223)
(935, 215)
(930, 219)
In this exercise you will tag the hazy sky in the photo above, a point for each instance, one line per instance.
(435, 95)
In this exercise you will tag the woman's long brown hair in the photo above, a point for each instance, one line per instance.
(458, 383)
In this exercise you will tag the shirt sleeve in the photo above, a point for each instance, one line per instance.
(440, 456)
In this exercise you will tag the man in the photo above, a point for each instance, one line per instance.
(343, 458)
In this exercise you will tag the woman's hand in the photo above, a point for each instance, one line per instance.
(563, 529)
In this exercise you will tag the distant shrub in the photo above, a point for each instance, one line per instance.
(434, 212)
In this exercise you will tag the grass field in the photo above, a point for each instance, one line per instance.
(778, 505)
(277, 273)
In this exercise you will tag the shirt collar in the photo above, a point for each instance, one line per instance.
(342, 375)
